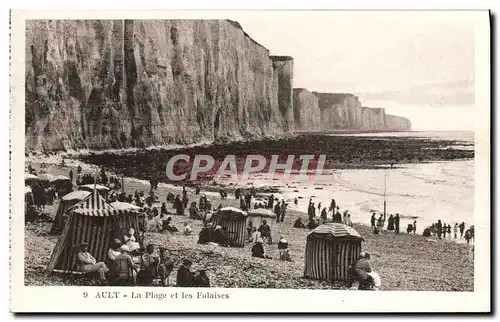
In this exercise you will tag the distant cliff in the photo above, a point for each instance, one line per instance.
(341, 111)
(135, 83)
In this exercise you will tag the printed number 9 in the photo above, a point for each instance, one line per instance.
(85, 295)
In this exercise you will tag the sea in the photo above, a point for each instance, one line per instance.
(424, 192)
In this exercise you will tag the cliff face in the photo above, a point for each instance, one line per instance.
(397, 123)
(342, 111)
(111, 84)
(306, 110)
(283, 71)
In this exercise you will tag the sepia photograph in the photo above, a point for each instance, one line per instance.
(253, 151)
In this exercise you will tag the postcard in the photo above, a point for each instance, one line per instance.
(250, 161)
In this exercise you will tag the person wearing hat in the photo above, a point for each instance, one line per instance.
(125, 255)
(130, 240)
(87, 263)
(283, 249)
(219, 237)
(362, 268)
(114, 250)
(185, 278)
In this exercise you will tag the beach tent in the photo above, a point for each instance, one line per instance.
(257, 216)
(96, 226)
(45, 177)
(235, 220)
(28, 177)
(123, 205)
(59, 178)
(330, 250)
(103, 190)
(65, 204)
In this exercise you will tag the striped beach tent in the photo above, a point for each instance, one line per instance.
(257, 216)
(97, 227)
(76, 199)
(330, 250)
(235, 221)
(103, 190)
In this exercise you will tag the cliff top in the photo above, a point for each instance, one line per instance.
(237, 25)
(281, 58)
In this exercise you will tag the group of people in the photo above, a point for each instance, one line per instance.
(443, 231)
(392, 223)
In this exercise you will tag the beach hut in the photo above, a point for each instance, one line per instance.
(103, 190)
(235, 221)
(45, 177)
(123, 205)
(257, 216)
(97, 227)
(330, 250)
(65, 204)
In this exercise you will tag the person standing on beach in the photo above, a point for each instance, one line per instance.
(439, 228)
(71, 175)
(319, 206)
(373, 220)
(380, 223)
(337, 218)
(390, 223)
(455, 230)
(283, 210)
(270, 202)
(396, 224)
(323, 215)
(277, 211)
(332, 206)
(448, 230)
(444, 230)
(462, 228)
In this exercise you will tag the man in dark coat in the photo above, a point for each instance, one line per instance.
(277, 211)
(396, 224)
(265, 232)
(373, 221)
(185, 278)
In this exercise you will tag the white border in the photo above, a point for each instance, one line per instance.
(68, 299)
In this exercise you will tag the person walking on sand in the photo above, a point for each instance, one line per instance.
(71, 175)
(448, 230)
(444, 230)
(396, 224)
(467, 236)
(455, 231)
(373, 220)
(319, 206)
(462, 228)
(414, 227)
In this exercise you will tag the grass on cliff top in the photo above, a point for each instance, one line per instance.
(404, 262)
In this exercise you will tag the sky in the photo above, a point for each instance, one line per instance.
(415, 64)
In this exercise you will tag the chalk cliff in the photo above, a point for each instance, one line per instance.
(136, 83)
(102, 84)
(307, 116)
(343, 111)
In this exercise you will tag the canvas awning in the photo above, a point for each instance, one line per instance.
(261, 212)
(76, 195)
(334, 230)
(230, 212)
(90, 187)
